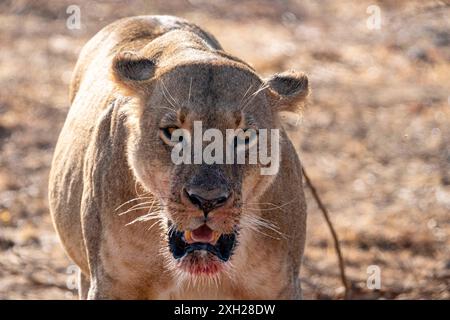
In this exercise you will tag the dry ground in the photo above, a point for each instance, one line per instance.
(375, 137)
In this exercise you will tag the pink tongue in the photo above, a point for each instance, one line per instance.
(202, 234)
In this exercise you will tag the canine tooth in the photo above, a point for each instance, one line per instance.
(216, 236)
(188, 236)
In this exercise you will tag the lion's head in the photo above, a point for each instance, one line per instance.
(178, 82)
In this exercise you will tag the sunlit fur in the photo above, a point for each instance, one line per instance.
(114, 190)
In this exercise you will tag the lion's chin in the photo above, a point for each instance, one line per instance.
(199, 263)
(201, 251)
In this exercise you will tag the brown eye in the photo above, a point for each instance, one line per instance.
(166, 135)
(245, 138)
(168, 132)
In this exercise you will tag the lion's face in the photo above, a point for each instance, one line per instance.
(207, 201)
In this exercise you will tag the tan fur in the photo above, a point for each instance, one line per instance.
(109, 152)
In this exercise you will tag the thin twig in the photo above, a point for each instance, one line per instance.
(333, 234)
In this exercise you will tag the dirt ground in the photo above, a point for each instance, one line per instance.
(375, 137)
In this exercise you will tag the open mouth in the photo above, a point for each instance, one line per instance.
(201, 242)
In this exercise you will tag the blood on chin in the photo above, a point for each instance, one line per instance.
(200, 263)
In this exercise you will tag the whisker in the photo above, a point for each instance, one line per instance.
(146, 217)
(268, 203)
(189, 94)
(136, 184)
(157, 221)
(141, 219)
(245, 96)
(162, 107)
(164, 93)
(139, 206)
(135, 199)
(253, 96)
(257, 230)
(256, 222)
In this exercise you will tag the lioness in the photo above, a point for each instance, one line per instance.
(140, 226)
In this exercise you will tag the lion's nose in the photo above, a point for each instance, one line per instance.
(207, 200)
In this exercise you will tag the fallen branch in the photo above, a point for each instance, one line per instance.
(333, 234)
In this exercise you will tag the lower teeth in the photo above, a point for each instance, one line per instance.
(181, 243)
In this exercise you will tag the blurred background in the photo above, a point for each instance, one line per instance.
(374, 138)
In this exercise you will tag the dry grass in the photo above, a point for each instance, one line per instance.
(375, 137)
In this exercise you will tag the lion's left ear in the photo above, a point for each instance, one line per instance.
(288, 90)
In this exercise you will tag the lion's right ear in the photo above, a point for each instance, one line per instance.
(130, 70)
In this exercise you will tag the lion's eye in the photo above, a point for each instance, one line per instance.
(168, 132)
(166, 135)
(245, 138)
